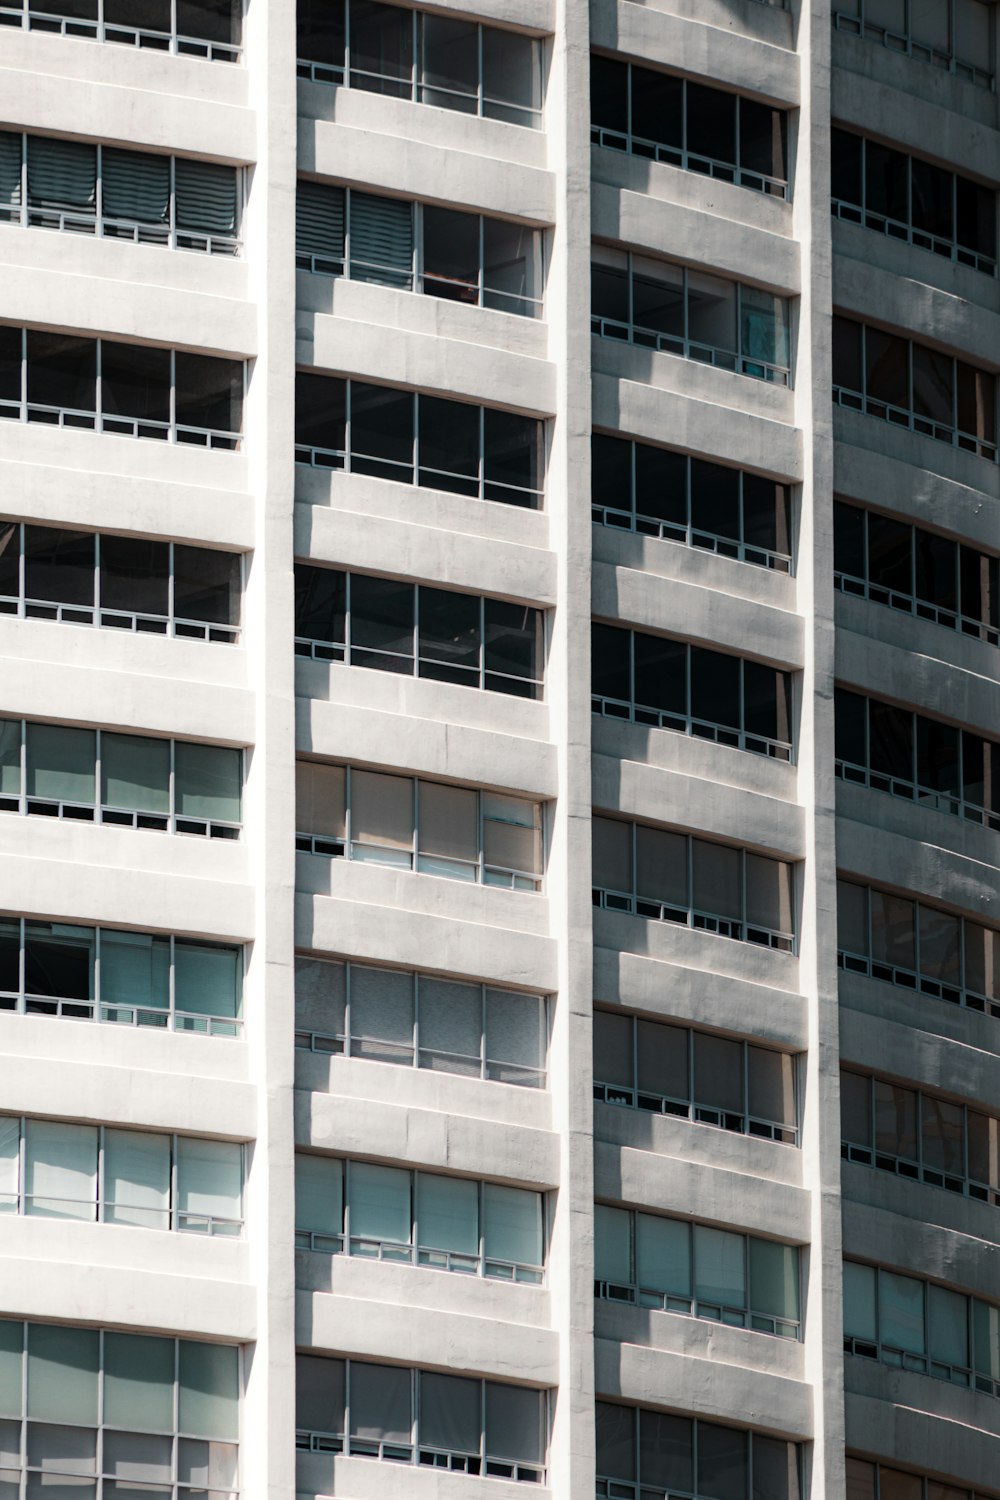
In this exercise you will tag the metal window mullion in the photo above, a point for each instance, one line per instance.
(482, 452)
(24, 180)
(633, 842)
(24, 375)
(170, 587)
(172, 206)
(97, 576)
(99, 192)
(482, 1031)
(22, 567)
(98, 778)
(348, 820)
(99, 392)
(173, 396)
(174, 1199)
(743, 889)
(689, 500)
(482, 641)
(22, 1164)
(348, 199)
(635, 1051)
(482, 1426)
(416, 52)
(415, 628)
(171, 986)
(24, 768)
(482, 72)
(347, 617)
(172, 784)
(345, 1207)
(417, 256)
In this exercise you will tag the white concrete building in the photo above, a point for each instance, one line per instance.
(579, 1068)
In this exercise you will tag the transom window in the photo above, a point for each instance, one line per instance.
(672, 877)
(923, 760)
(917, 572)
(661, 492)
(460, 257)
(913, 386)
(914, 200)
(447, 61)
(919, 1325)
(420, 1020)
(418, 1218)
(658, 304)
(414, 438)
(131, 390)
(452, 1422)
(414, 630)
(668, 684)
(93, 776)
(671, 1265)
(89, 188)
(920, 1136)
(53, 1170)
(664, 117)
(192, 28)
(643, 1454)
(90, 1413)
(956, 35)
(872, 1481)
(918, 947)
(695, 1075)
(411, 824)
(126, 978)
(119, 582)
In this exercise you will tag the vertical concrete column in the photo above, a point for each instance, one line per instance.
(568, 677)
(269, 1418)
(818, 962)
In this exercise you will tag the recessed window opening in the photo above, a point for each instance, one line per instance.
(643, 1452)
(209, 29)
(955, 35)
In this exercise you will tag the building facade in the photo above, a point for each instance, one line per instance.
(545, 454)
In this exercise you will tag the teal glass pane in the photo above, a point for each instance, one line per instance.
(663, 1255)
(209, 1179)
(209, 1390)
(62, 1374)
(135, 773)
(612, 1245)
(901, 1312)
(948, 1326)
(763, 327)
(512, 1225)
(207, 979)
(208, 781)
(720, 1275)
(774, 1279)
(860, 1320)
(447, 1213)
(61, 763)
(319, 1194)
(138, 1382)
(10, 757)
(379, 1200)
(11, 1362)
(986, 1338)
(135, 969)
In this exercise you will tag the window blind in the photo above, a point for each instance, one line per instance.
(319, 220)
(61, 174)
(381, 240)
(10, 169)
(135, 186)
(206, 196)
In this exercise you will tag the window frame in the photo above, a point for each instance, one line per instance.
(609, 1487)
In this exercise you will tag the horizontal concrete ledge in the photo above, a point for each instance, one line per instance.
(940, 318)
(915, 1054)
(922, 1439)
(910, 1201)
(89, 459)
(693, 1141)
(660, 183)
(942, 127)
(710, 1389)
(663, 558)
(919, 462)
(698, 1338)
(667, 750)
(894, 852)
(877, 1000)
(933, 1401)
(736, 398)
(864, 627)
(348, 494)
(327, 1475)
(873, 1232)
(689, 947)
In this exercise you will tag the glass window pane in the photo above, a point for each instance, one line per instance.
(381, 815)
(512, 835)
(207, 585)
(381, 1014)
(320, 603)
(847, 363)
(450, 70)
(776, 1470)
(450, 444)
(208, 393)
(381, 48)
(661, 860)
(512, 1225)
(711, 123)
(711, 310)
(450, 1413)
(134, 1456)
(901, 1312)
(319, 222)
(763, 329)
(448, 832)
(717, 880)
(860, 1317)
(452, 254)
(139, 1382)
(612, 855)
(135, 773)
(514, 640)
(59, 960)
(892, 930)
(135, 575)
(943, 1135)
(771, 1085)
(948, 1326)
(209, 1401)
(720, 1270)
(514, 1423)
(615, 1441)
(447, 1210)
(763, 139)
(774, 1279)
(135, 382)
(381, 240)
(319, 1193)
(984, 1148)
(379, 1203)
(887, 372)
(135, 969)
(321, 415)
(663, 1254)
(137, 1178)
(512, 76)
(320, 996)
(894, 1484)
(382, 614)
(661, 673)
(10, 1164)
(60, 1450)
(61, 174)
(319, 1393)
(449, 636)
(856, 1108)
(208, 781)
(895, 1120)
(207, 195)
(58, 565)
(512, 266)
(10, 957)
(381, 1403)
(515, 1033)
(722, 1462)
(613, 1049)
(450, 1027)
(852, 918)
(612, 1245)
(657, 295)
(207, 979)
(662, 1056)
(718, 1072)
(62, 1374)
(940, 945)
(320, 799)
(666, 1451)
(860, 1479)
(933, 384)
(209, 1182)
(769, 893)
(61, 763)
(512, 457)
(11, 1368)
(382, 432)
(10, 756)
(60, 1170)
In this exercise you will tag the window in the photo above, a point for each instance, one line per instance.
(119, 582)
(130, 390)
(460, 257)
(418, 1218)
(450, 1422)
(411, 824)
(694, 1075)
(918, 947)
(415, 630)
(919, 1325)
(873, 1481)
(953, 34)
(101, 1174)
(142, 979)
(193, 28)
(657, 304)
(93, 776)
(450, 62)
(667, 684)
(910, 199)
(418, 1020)
(414, 438)
(133, 195)
(666, 118)
(84, 1411)
(920, 1136)
(910, 385)
(672, 877)
(922, 760)
(661, 492)
(918, 572)
(645, 1452)
(671, 1265)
